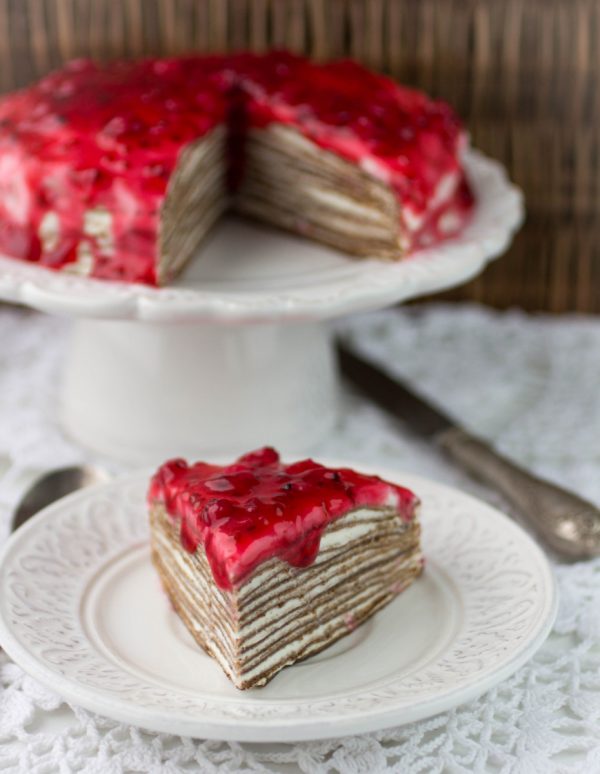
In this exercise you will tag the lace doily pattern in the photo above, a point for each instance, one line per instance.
(509, 376)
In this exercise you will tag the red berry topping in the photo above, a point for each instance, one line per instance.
(258, 508)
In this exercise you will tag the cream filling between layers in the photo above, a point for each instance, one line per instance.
(280, 613)
(321, 633)
(257, 642)
(195, 199)
(258, 662)
(293, 183)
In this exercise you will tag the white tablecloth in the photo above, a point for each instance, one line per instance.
(532, 384)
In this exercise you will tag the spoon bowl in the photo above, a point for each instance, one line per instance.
(53, 485)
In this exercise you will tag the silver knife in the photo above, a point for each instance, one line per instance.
(565, 522)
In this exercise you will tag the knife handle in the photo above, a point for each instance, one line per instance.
(567, 523)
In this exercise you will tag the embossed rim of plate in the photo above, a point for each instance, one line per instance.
(466, 528)
(370, 284)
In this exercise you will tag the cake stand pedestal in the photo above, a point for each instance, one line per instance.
(145, 391)
(237, 353)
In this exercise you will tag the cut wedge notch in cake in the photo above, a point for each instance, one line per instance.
(267, 563)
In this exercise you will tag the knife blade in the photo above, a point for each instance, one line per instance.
(567, 523)
(390, 394)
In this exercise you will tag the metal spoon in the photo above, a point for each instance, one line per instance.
(53, 485)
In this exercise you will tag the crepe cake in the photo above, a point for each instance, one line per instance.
(267, 563)
(119, 171)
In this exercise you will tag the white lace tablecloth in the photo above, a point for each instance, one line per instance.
(532, 384)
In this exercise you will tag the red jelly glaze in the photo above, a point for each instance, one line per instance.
(258, 508)
(101, 137)
(109, 137)
(358, 114)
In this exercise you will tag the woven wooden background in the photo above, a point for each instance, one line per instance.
(524, 74)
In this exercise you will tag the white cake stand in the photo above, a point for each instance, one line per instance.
(238, 352)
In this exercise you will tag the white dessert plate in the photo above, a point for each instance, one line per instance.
(83, 612)
(248, 272)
